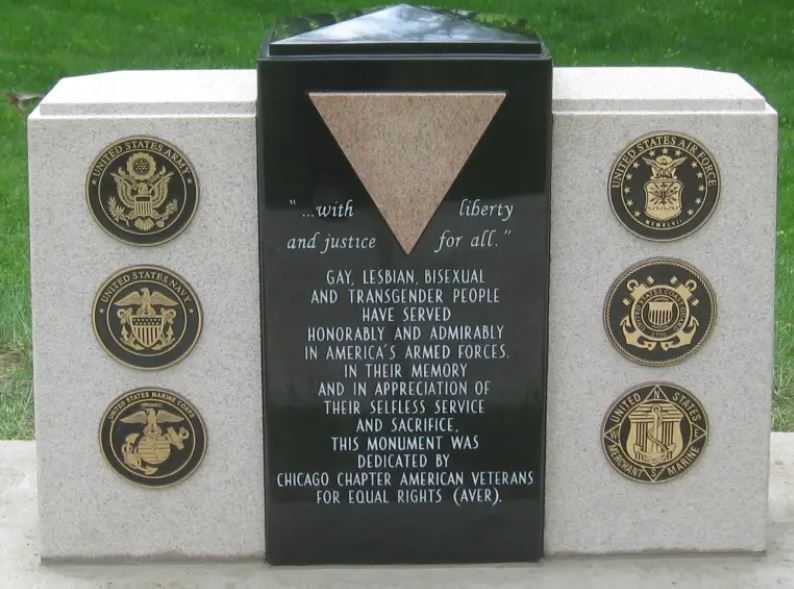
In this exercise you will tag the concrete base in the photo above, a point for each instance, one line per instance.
(20, 568)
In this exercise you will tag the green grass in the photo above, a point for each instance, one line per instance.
(42, 42)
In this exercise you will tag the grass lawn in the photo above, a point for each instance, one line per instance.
(41, 42)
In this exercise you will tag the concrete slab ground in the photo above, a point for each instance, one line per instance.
(20, 568)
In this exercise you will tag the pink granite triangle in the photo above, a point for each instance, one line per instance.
(407, 148)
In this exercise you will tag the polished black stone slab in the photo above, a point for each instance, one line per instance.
(487, 514)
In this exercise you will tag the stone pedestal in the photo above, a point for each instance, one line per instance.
(87, 511)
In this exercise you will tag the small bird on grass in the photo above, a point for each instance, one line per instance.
(22, 101)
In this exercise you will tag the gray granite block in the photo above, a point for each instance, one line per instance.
(86, 509)
(720, 503)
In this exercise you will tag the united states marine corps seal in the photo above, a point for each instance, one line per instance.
(142, 190)
(664, 186)
(654, 432)
(147, 317)
(659, 312)
(153, 437)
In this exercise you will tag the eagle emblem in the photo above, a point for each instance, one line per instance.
(141, 194)
(659, 311)
(663, 189)
(664, 185)
(146, 317)
(144, 451)
(152, 436)
(146, 322)
(659, 314)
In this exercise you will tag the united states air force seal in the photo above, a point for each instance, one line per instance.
(147, 317)
(659, 311)
(664, 186)
(654, 432)
(153, 437)
(142, 190)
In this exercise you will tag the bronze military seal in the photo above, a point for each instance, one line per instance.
(664, 186)
(659, 311)
(147, 317)
(153, 437)
(142, 190)
(654, 432)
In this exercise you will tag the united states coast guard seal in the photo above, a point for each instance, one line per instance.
(664, 186)
(142, 190)
(147, 317)
(654, 432)
(659, 311)
(153, 437)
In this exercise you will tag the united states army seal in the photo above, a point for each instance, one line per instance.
(153, 437)
(659, 312)
(142, 190)
(654, 432)
(664, 186)
(147, 317)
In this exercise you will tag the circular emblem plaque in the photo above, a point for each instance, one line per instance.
(654, 432)
(153, 437)
(142, 190)
(659, 312)
(664, 186)
(147, 317)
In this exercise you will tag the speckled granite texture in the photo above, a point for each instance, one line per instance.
(88, 512)
(720, 504)
(407, 148)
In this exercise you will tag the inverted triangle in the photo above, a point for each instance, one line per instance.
(407, 148)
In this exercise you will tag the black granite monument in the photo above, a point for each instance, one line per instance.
(404, 164)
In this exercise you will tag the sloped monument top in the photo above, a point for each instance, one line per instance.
(403, 29)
